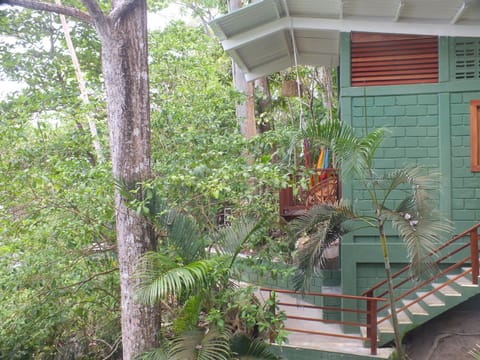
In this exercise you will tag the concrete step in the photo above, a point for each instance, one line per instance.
(468, 268)
(463, 281)
(415, 308)
(385, 327)
(446, 290)
(404, 318)
(431, 300)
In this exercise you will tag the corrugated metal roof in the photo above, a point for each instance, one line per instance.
(262, 37)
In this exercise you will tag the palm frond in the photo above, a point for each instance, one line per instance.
(355, 153)
(327, 132)
(340, 212)
(245, 348)
(184, 233)
(198, 345)
(322, 226)
(230, 240)
(160, 353)
(157, 281)
(475, 352)
(417, 221)
(310, 258)
(188, 318)
(370, 144)
(416, 177)
(421, 234)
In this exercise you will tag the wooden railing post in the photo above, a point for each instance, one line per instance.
(474, 255)
(372, 322)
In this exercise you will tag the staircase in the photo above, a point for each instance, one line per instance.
(454, 280)
(426, 305)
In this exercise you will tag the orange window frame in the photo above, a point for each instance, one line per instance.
(475, 135)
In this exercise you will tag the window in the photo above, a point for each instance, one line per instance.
(467, 59)
(475, 135)
(393, 59)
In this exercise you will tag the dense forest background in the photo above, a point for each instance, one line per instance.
(59, 286)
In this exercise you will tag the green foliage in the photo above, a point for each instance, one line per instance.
(58, 268)
(321, 227)
(58, 279)
(198, 151)
(246, 349)
(188, 318)
(202, 285)
(200, 345)
(33, 51)
(160, 277)
(353, 152)
(417, 221)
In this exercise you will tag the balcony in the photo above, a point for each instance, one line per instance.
(323, 188)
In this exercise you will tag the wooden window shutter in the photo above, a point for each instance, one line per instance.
(475, 135)
(393, 59)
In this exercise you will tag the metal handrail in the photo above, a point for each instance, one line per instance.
(371, 314)
(472, 258)
(372, 310)
(432, 253)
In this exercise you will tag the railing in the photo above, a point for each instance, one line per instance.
(370, 311)
(406, 283)
(374, 298)
(323, 188)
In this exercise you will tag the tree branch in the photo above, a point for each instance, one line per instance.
(44, 6)
(120, 10)
(99, 19)
(84, 281)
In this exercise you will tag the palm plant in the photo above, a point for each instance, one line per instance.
(196, 345)
(475, 353)
(182, 272)
(416, 220)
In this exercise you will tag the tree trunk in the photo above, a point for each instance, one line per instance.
(123, 34)
(391, 294)
(246, 110)
(125, 68)
(265, 104)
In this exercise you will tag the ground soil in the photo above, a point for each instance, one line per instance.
(450, 336)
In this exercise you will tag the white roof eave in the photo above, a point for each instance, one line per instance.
(324, 28)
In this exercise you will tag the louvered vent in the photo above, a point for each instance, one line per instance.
(467, 59)
(393, 59)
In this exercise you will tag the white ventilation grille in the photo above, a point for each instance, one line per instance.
(467, 59)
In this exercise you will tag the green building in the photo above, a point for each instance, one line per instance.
(412, 66)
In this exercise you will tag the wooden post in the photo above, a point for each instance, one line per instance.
(372, 322)
(474, 255)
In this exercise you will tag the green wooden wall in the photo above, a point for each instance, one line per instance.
(429, 125)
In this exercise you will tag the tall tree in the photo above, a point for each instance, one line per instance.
(245, 110)
(123, 35)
